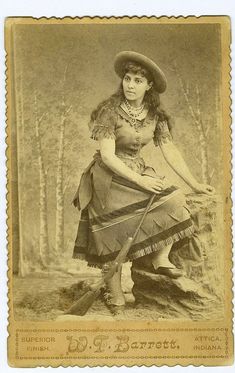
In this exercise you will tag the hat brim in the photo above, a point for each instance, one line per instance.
(158, 76)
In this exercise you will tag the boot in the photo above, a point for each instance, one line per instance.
(114, 296)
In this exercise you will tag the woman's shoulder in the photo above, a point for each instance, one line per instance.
(104, 124)
(107, 116)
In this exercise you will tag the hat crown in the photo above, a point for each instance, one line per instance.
(158, 76)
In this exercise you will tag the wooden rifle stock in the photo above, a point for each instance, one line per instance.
(82, 305)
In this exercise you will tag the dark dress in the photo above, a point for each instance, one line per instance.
(111, 206)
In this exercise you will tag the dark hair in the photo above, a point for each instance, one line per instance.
(151, 98)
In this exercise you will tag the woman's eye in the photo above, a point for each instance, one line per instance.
(138, 81)
(126, 78)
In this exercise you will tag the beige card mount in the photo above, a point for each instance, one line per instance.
(157, 289)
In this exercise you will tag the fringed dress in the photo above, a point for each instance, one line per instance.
(111, 206)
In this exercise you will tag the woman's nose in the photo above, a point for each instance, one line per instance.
(130, 84)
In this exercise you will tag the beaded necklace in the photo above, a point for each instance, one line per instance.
(133, 112)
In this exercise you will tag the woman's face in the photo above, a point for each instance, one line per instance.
(135, 86)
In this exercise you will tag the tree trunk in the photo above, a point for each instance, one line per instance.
(202, 139)
(196, 116)
(43, 221)
(22, 268)
(21, 166)
(59, 231)
(59, 241)
(204, 157)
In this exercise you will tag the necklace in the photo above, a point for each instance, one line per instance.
(133, 112)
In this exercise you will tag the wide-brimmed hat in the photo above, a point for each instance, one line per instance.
(158, 76)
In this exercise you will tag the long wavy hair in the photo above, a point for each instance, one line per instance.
(151, 98)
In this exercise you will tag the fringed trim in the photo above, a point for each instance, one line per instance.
(161, 244)
(95, 265)
(101, 131)
(162, 134)
(79, 256)
(187, 232)
(90, 264)
(136, 164)
(163, 139)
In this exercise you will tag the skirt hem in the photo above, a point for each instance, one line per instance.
(187, 232)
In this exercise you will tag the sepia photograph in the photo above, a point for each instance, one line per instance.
(119, 173)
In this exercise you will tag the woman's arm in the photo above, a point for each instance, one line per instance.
(107, 151)
(177, 163)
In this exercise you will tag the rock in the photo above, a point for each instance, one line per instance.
(198, 295)
(182, 296)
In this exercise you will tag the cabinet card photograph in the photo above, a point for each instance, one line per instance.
(119, 191)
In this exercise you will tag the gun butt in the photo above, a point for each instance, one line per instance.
(82, 305)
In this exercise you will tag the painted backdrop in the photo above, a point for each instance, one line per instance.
(61, 73)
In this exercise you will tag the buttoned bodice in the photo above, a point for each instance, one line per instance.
(130, 137)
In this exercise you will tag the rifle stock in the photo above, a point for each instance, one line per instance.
(81, 306)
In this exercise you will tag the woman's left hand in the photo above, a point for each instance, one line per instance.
(204, 188)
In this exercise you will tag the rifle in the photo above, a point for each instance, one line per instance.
(82, 305)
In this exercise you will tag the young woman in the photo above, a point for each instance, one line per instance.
(115, 188)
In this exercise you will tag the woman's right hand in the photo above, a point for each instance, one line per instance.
(152, 184)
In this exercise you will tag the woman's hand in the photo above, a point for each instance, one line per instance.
(152, 184)
(204, 188)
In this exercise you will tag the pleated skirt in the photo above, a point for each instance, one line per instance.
(102, 231)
